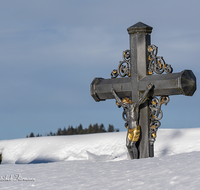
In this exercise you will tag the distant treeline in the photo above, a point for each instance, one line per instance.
(79, 130)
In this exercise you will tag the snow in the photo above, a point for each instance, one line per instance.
(99, 161)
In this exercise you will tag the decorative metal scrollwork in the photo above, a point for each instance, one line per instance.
(156, 114)
(124, 66)
(157, 63)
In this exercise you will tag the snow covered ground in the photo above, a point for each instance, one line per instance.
(99, 161)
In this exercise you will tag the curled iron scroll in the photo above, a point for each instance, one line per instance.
(156, 114)
(124, 66)
(157, 63)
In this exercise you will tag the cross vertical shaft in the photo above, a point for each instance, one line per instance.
(139, 41)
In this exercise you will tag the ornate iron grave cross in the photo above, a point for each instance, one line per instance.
(136, 91)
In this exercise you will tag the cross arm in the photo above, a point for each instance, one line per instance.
(100, 88)
(170, 84)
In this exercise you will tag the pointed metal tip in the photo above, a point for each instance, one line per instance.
(139, 27)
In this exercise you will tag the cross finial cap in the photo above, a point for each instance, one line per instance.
(139, 28)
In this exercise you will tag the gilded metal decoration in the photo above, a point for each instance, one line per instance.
(156, 114)
(157, 63)
(124, 66)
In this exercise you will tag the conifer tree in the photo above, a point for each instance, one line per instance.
(59, 132)
(64, 132)
(80, 129)
(102, 128)
(32, 135)
(95, 128)
(90, 129)
(111, 128)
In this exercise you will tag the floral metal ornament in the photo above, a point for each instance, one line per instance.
(157, 63)
(124, 66)
(156, 114)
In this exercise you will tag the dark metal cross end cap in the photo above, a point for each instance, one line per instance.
(188, 82)
(93, 89)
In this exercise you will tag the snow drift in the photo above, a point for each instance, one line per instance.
(99, 147)
(99, 161)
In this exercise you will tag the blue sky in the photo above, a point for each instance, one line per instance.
(50, 51)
